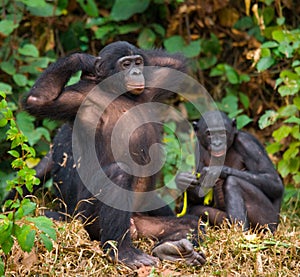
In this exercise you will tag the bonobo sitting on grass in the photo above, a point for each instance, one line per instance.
(238, 175)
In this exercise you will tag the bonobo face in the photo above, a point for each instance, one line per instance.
(216, 132)
(133, 66)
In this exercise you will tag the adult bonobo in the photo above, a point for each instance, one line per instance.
(106, 184)
(246, 187)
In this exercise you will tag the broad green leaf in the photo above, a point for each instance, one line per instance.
(25, 236)
(288, 111)
(102, 31)
(8, 67)
(244, 99)
(286, 90)
(242, 120)
(207, 62)
(124, 9)
(35, 3)
(146, 39)
(293, 119)
(44, 224)
(7, 26)
(47, 242)
(14, 153)
(20, 79)
(5, 88)
(7, 245)
(267, 119)
(283, 168)
(279, 35)
(269, 44)
(281, 132)
(273, 147)
(128, 28)
(174, 44)
(89, 6)
(29, 50)
(264, 63)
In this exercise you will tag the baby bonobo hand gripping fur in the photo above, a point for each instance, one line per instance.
(51, 98)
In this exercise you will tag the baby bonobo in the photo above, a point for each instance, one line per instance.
(246, 187)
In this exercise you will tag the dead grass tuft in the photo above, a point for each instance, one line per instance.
(230, 252)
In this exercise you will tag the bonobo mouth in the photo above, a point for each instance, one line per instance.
(218, 154)
(135, 89)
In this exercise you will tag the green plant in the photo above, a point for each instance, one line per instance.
(284, 47)
(18, 221)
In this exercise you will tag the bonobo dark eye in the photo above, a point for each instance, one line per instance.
(139, 62)
(126, 64)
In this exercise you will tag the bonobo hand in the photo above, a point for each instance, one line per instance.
(209, 176)
(190, 182)
(87, 65)
(186, 180)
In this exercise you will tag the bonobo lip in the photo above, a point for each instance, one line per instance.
(135, 89)
(218, 153)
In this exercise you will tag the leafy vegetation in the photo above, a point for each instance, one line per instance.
(245, 54)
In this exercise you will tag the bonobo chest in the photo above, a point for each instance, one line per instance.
(128, 128)
(234, 159)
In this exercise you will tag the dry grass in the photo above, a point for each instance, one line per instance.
(230, 252)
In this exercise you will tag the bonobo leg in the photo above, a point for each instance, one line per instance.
(172, 234)
(214, 216)
(255, 205)
(246, 203)
(110, 223)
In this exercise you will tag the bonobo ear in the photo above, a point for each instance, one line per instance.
(98, 67)
(195, 125)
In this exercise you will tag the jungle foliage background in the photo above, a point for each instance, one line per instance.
(245, 53)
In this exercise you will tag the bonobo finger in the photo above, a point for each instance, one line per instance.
(186, 180)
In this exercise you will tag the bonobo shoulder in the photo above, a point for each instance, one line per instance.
(250, 147)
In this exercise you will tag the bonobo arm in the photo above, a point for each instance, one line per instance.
(49, 98)
(259, 169)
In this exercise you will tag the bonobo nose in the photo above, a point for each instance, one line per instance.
(136, 72)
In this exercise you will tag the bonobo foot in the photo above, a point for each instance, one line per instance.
(181, 250)
(135, 258)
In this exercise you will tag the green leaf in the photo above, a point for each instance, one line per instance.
(128, 28)
(264, 63)
(5, 88)
(8, 67)
(281, 132)
(44, 224)
(286, 90)
(177, 44)
(89, 6)
(283, 168)
(244, 99)
(146, 39)
(123, 9)
(20, 80)
(273, 147)
(47, 242)
(25, 236)
(28, 206)
(29, 50)
(267, 119)
(7, 26)
(242, 120)
(14, 153)
(269, 44)
(288, 111)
